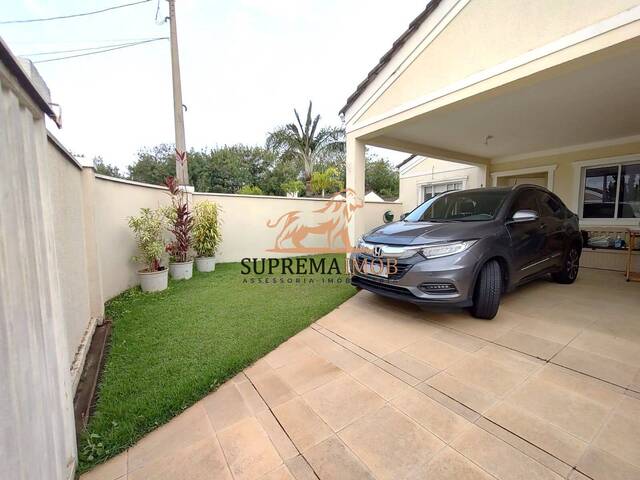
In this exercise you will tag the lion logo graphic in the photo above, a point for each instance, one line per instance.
(332, 221)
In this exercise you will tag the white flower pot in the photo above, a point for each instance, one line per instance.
(206, 264)
(154, 281)
(181, 270)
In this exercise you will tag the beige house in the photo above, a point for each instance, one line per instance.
(541, 91)
(423, 177)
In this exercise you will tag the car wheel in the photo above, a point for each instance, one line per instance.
(486, 296)
(570, 267)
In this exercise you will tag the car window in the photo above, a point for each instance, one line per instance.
(460, 206)
(525, 200)
(550, 206)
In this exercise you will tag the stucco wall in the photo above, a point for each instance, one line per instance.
(486, 33)
(566, 177)
(65, 180)
(431, 170)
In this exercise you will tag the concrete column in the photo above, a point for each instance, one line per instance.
(94, 273)
(355, 181)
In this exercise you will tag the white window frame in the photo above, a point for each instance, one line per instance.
(421, 185)
(548, 169)
(579, 175)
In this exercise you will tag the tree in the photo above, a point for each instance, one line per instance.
(326, 182)
(381, 177)
(105, 168)
(154, 164)
(250, 190)
(307, 142)
(293, 187)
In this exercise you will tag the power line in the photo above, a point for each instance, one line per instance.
(85, 49)
(63, 17)
(126, 45)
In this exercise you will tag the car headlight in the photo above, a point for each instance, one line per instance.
(444, 249)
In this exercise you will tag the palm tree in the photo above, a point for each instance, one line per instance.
(307, 143)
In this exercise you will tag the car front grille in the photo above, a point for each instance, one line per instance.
(363, 281)
(402, 268)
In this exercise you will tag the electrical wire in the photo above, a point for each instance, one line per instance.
(85, 49)
(126, 45)
(64, 17)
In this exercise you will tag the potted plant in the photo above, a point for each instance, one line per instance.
(181, 223)
(148, 229)
(206, 235)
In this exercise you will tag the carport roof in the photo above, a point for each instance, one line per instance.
(413, 26)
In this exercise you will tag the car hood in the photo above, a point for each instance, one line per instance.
(419, 233)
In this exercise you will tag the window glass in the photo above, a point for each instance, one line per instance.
(526, 200)
(599, 195)
(629, 199)
(462, 206)
(550, 206)
(433, 189)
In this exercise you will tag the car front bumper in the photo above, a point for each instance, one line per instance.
(457, 270)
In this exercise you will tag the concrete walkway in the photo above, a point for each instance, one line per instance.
(379, 389)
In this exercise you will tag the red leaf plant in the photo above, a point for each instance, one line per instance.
(181, 222)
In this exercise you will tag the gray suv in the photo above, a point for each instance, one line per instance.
(465, 248)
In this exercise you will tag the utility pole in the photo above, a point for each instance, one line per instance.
(182, 171)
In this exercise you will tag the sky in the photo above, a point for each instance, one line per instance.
(245, 65)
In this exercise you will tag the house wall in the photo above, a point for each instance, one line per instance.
(37, 434)
(431, 170)
(486, 33)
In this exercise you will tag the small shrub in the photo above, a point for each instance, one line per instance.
(148, 229)
(250, 190)
(206, 229)
(180, 220)
(293, 186)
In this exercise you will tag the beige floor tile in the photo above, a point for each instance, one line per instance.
(290, 352)
(469, 395)
(391, 445)
(411, 365)
(226, 406)
(277, 435)
(539, 432)
(553, 331)
(251, 397)
(302, 424)
(436, 353)
(113, 469)
(342, 401)
(459, 340)
(621, 437)
(380, 381)
(530, 344)
(332, 460)
(331, 351)
(397, 372)
(515, 361)
(600, 465)
(280, 473)
(300, 469)
(499, 458)
(272, 388)
(562, 407)
(619, 349)
(597, 366)
(448, 402)
(259, 367)
(450, 465)
(201, 461)
(308, 373)
(487, 375)
(433, 416)
(188, 428)
(248, 450)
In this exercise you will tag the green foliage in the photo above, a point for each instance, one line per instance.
(306, 142)
(381, 177)
(293, 186)
(154, 164)
(250, 190)
(206, 229)
(105, 168)
(326, 182)
(148, 229)
(170, 349)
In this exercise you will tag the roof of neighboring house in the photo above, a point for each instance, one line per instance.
(413, 26)
(405, 161)
(13, 65)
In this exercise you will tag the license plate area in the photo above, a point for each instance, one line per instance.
(377, 269)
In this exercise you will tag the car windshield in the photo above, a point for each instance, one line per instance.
(461, 206)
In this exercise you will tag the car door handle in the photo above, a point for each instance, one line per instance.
(542, 225)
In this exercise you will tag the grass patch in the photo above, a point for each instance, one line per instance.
(170, 349)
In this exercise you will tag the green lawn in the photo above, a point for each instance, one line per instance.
(170, 349)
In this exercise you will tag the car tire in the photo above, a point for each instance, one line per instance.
(570, 267)
(487, 292)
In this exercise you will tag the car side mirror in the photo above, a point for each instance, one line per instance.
(403, 216)
(522, 216)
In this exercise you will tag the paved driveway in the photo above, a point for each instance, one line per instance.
(378, 389)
